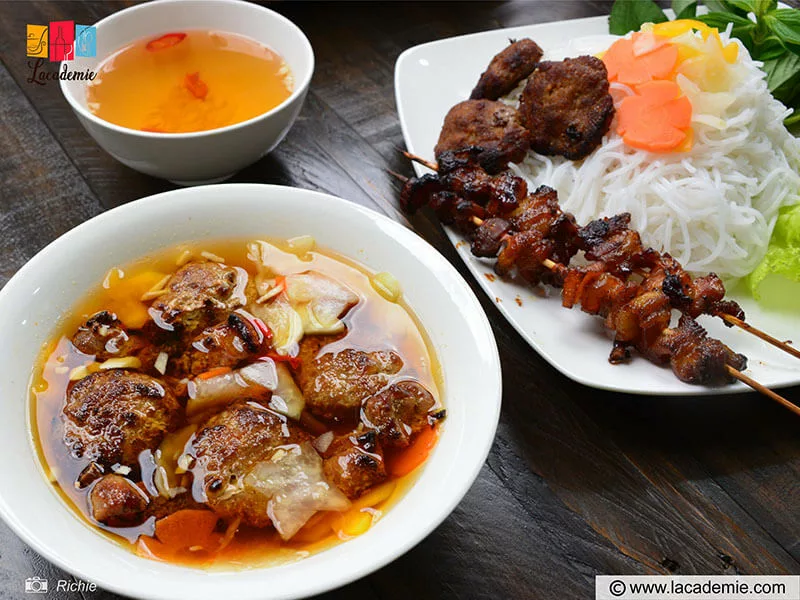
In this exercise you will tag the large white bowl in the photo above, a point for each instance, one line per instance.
(48, 286)
(205, 156)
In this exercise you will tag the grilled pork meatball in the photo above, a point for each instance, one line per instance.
(112, 416)
(507, 69)
(223, 345)
(566, 106)
(334, 384)
(117, 501)
(227, 447)
(354, 463)
(398, 412)
(491, 132)
(200, 294)
(105, 336)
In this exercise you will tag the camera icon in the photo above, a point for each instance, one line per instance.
(35, 585)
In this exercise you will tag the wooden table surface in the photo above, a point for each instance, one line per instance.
(579, 482)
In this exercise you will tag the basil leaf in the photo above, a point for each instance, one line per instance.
(783, 77)
(741, 7)
(769, 49)
(785, 23)
(715, 6)
(629, 15)
(765, 6)
(720, 20)
(684, 9)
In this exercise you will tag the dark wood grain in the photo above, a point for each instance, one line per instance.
(579, 482)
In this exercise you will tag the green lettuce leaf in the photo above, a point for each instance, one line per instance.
(783, 254)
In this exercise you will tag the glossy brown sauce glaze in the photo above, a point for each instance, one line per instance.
(212, 379)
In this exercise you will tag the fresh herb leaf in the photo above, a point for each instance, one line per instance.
(715, 6)
(765, 6)
(770, 48)
(783, 77)
(741, 7)
(785, 22)
(720, 20)
(684, 9)
(630, 15)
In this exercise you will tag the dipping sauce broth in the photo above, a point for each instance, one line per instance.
(188, 81)
(374, 323)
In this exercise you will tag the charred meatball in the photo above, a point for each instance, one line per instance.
(507, 69)
(227, 447)
(354, 463)
(117, 501)
(200, 294)
(398, 412)
(223, 345)
(566, 106)
(112, 416)
(105, 336)
(335, 383)
(491, 132)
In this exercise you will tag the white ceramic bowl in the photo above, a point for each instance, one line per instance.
(48, 286)
(205, 156)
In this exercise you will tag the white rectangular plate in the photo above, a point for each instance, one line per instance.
(429, 80)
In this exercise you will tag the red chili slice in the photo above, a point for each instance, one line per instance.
(293, 361)
(263, 328)
(165, 41)
(196, 86)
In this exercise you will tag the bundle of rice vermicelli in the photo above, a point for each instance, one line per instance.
(713, 202)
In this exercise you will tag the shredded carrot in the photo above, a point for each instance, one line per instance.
(165, 41)
(656, 118)
(195, 85)
(280, 281)
(413, 456)
(640, 58)
(189, 528)
(214, 372)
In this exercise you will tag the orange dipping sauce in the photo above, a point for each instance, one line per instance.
(189, 81)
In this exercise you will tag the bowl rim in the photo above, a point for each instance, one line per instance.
(299, 91)
(390, 228)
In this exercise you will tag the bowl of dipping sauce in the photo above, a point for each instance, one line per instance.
(192, 90)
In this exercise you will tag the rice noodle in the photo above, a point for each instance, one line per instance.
(713, 208)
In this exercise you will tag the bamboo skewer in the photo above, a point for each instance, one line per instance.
(763, 335)
(763, 389)
(735, 373)
(760, 334)
(427, 163)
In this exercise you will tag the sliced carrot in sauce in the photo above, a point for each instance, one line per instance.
(150, 547)
(640, 58)
(188, 529)
(413, 456)
(165, 41)
(656, 118)
(196, 86)
(318, 528)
